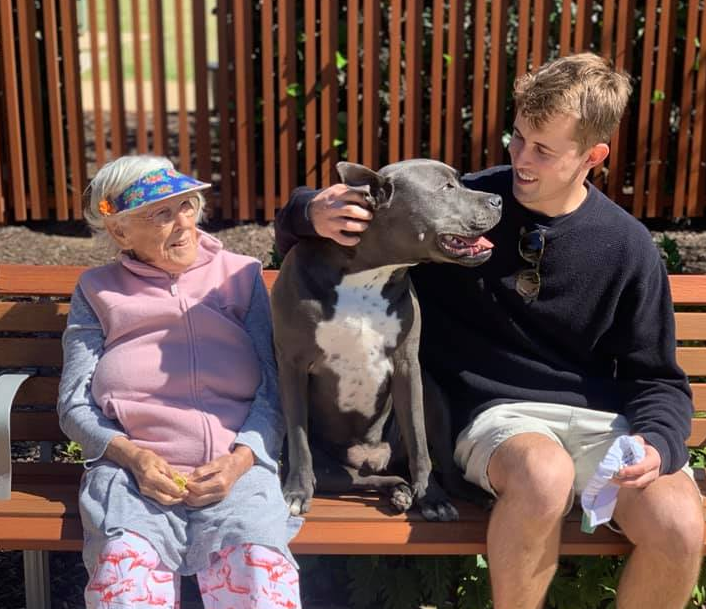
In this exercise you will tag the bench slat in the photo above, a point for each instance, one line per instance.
(692, 360)
(28, 425)
(698, 433)
(699, 393)
(690, 326)
(38, 391)
(688, 289)
(347, 525)
(33, 316)
(30, 352)
(41, 280)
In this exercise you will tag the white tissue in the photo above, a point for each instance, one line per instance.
(601, 493)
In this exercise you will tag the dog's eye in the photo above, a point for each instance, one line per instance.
(449, 186)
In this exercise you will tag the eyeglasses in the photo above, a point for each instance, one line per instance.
(530, 247)
(165, 214)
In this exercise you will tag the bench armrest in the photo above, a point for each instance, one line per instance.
(9, 384)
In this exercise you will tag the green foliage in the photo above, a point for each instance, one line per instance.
(585, 583)
(453, 582)
(73, 451)
(658, 96)
(275, 258)
(670, 254)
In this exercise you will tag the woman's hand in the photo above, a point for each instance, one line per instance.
(212, 482)
(153, 474)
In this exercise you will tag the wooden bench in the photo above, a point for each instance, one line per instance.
(42, 512)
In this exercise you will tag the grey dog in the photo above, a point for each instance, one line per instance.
(346, 329)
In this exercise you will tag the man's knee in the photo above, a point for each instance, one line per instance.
(668, 516)
(535, 472)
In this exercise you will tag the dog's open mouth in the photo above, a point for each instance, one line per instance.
(458, 245)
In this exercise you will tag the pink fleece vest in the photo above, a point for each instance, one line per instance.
(178, 371)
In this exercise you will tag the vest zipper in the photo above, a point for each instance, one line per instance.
(173, 286)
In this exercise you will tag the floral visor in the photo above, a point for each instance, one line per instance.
(151, 187)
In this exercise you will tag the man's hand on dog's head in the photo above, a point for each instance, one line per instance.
(337, 211)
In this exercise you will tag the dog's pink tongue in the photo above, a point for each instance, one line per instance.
(482, 243)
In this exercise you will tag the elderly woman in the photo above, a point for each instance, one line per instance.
(169, 385)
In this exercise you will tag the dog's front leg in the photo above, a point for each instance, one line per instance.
(299, 486)
(409, 410)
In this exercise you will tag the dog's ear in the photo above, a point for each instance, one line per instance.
(379, 188)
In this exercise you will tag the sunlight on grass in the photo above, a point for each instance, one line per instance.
(169, 12)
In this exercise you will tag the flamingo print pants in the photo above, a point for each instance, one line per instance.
(246, 576)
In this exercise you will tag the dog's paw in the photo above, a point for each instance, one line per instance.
(435, 505)
(401, 497)
(297, 494)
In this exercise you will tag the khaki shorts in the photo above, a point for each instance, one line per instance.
(585, 434)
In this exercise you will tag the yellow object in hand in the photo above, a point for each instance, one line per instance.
(180, 480)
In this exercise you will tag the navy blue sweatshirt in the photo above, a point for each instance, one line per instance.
(599, 335)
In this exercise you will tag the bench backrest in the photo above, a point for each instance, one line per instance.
(34, 306)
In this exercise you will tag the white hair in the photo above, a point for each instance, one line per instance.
(114, 178)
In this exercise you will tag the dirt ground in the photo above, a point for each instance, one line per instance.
(71, 243)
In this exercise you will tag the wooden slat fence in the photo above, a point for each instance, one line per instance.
(257, 97)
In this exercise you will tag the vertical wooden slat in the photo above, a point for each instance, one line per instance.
(660, 124)
(98, 128)
(245, 111)
(695, 200)
(74, 110)
(268, 110)
(184, 147)
(688, 77)
(329, 90)
(32, 101)
(523, 37)
(12, 104)
(310, 98)
(395, 25)
(497, 77)
(565, 35)
(413, 80)
(540, 35)
(139, 78)
(353, 73)
(202, 127)
(3, 209)
(623, 61)
(287, 55)
(159, 101)
(371, 82)
(55, 110)
(454, 85)
(437, 81)
(599, 172)
(223, 99)
(582, 37)
(478, 80)
(643, 126)
(115, 73)
(608, 31)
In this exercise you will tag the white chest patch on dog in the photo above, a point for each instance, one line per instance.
(355, 339)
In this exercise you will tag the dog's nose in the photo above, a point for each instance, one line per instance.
(495, 201)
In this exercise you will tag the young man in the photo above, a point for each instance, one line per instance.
(561, 342)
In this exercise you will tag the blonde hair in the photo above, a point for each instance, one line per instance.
(112, 179)
(583, 85)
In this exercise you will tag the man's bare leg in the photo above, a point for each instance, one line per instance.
(533, 477)
(665, 521)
